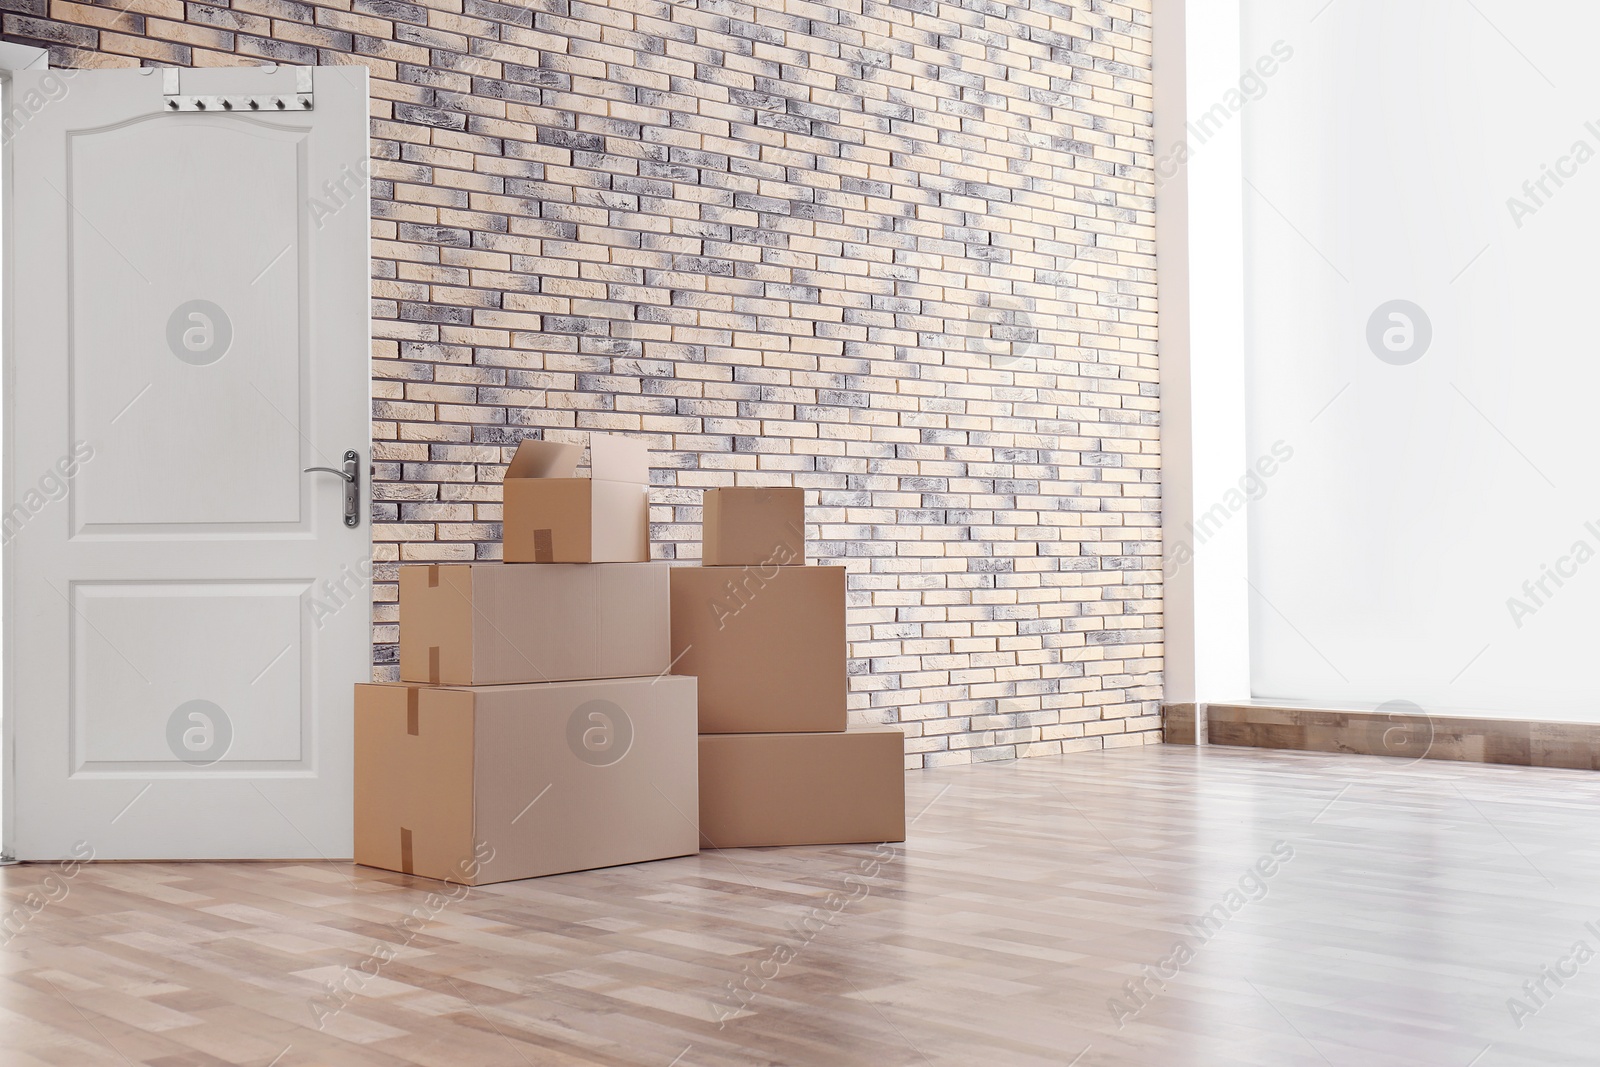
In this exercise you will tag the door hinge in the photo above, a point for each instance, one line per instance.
(302, 99)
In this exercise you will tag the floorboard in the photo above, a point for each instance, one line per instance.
(1034, 917)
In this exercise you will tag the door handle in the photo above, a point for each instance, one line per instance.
(352, 485)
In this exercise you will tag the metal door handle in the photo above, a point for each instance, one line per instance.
(352, 485)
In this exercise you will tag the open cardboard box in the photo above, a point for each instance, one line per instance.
(550, 515)
(493, 783)
(495, 623)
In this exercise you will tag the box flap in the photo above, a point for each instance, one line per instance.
(545, 459)
(619, 459)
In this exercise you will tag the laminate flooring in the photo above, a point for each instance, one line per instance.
(1159, 906)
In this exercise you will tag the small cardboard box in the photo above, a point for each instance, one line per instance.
(802, 789)
(494, 783)
(498, 623)
(767, 643)
(745, 526)
(552, 516)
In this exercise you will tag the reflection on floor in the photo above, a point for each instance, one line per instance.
(1157, 906)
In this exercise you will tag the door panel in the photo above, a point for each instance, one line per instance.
(211, 265)
(181, 341)
(134, 648)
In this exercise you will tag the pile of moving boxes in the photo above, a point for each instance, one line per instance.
(577, 706)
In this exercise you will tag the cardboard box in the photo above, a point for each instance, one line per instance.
(802, 789)
(767, 643)
(746, 526)
(493, 783)
(498, 623)
(552, 516)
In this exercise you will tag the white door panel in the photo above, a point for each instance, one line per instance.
(134, 646)
(211, 263)
(186, 329)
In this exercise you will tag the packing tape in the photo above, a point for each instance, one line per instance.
(405, 851)
(544, 548)
(412, 696)
(433, 576)
(433, 664)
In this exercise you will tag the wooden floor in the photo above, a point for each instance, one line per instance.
(1418, 899)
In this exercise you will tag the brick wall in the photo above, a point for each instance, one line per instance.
(900, 254)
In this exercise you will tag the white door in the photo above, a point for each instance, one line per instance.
(186, 329)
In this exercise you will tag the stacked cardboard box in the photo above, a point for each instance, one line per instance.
(765, 636)
(535, 729)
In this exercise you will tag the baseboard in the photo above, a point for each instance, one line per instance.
(1181, 725)
(1375, 733)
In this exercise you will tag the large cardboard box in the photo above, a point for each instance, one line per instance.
(802, 789)
(767, 643)
(550, 515)
(746, 526)
(493, 783)
(497, 623)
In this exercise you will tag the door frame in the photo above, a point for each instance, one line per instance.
(12, 57)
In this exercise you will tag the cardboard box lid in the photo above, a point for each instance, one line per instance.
(611, 459)
(544, 459)
(619, 459)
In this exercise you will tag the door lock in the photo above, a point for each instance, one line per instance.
(352, 485)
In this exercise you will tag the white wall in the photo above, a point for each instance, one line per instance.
(1200, 263)
(1397, 553)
